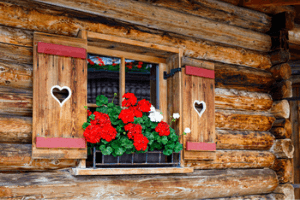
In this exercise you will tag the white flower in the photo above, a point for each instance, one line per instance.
(176, 115)
(155, 116)
(152, 109)
(187, 130)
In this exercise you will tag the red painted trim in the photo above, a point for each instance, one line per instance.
(61, 50)
(201, 72)
(42, 142)
(200, 146)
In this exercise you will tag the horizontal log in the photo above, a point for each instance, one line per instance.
(15, 129)
(280, 56)
(253, 197)
(294, 50)
(220, 12)
(282, 129)
(197, 185)
(15, 101)
(16, 36)
(15, 54)
(242, 100)
(17, 76)
(235, 159)
(284, 170)
(281, 71)
(251, 140)
(281, 109)
(31, 19)
(18, 157)
(287, 190)
(294, 35)
(242, 120)
(283, 148)
(169, 20)
(281, 90)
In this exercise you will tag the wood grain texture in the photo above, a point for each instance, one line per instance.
(282, 89)
(270, 2)
(234, 120)
(281, 109)
(16, 157)
(236, 159)
(15, 101)
(294, 35)
(15, 54)
(200, 184)
(50, 119)
(171, 21)
(16, 36)
(284, 170)
(282, 71)
(286, 189)
(282, 128)
(30, 19)
(253, 197)
(283, 148)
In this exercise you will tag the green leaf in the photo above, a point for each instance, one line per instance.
(167, 152)
(92, 117)
(110, 105)
(102, 147)
(178, 147)
(102, 109)
(120, 151)
(164, 139)
(104, 141)
(85, 124)
(107, 151)
(101, 99)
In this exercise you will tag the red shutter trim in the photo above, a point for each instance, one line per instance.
(201, 72)
(42, 142)
(61, 50)
(200, 146)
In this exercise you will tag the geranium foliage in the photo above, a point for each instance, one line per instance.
(115, 131)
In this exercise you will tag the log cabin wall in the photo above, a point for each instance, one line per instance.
(254, 150)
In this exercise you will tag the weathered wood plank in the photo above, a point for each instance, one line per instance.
(283, 148)
(168, 20)
(15, 101)
(236, 159)
(30, 19)
(16, 36)
(284, 170)
(15, 54)
(197, 185)
(252, 140)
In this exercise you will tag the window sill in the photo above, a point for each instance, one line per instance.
(127, 171)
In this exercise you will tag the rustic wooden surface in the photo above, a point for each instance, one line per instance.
(15, 54)
(281, 71)
(16, 157)
(49, 118)
(161, 20)
(200, 184)
(284, 170)
(280, 56)
(282, 89)
(30, 19)
(287, 190)
(253, 197)
(294, 35)
(236, 159)
(282, 128)
(283, 148)
(281, 109)
(15, 101)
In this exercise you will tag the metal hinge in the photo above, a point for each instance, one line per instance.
(172, 73)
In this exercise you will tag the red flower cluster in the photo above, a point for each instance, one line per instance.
(135, 133)
(89, 112)
(140, 65)
(144, 105)
(100, 128)
(163, 129)
(101, 61)
(126, 116)
(130, 100)
(90, 62)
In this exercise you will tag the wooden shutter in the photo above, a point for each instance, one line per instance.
(198, 85)
(57, 127)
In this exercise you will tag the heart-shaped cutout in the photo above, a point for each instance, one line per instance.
(61, 94)
(200, 107)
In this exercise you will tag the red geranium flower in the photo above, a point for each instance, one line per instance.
(144, 105)
(163, 129)
(140, 142)
(91, 134)
(126, 116)
(140, 63)
(91, 62)
(101, 119)
(136, 111)
(133, 130)
(130, 100)
(108, 133)
(114, 64)
(89, 112)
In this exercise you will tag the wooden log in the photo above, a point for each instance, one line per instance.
(242, 120)
(198, 185)
(235, 159)
(284, 170)
(220, 12)
(242, 78)
(294, 50)
(242, 100)
(18, 157)
(252, 140)
(281, 109)
(169, 20)
(281, 90)
(283, 21)
(294, 35)
(253, 197)
(282, 129)
(15, 54)
(15, 101)
(287, 190)
(281, 71)
(16, 36)
(279, 37)
(283, 148)
(280, 56)
(30, 19)
(15, 129)
(17, 76)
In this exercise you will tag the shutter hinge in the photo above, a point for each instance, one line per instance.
(172, 73)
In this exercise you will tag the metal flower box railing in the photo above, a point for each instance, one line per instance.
(148, 159)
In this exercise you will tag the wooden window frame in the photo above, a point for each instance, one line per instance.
(163, 103)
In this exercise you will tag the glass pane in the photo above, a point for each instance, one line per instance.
(140, 79)
(103, 77)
